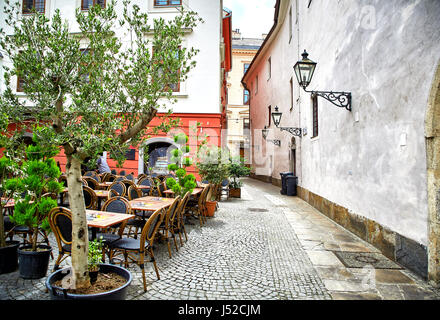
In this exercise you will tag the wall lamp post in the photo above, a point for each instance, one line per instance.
(304, 72)
(264, 132)
(276, 117)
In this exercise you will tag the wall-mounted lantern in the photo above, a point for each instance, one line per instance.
(264, 132)
(276, 117)
(304, 70)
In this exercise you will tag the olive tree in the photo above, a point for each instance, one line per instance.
(93, 90)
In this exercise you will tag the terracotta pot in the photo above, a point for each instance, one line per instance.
(211, 207)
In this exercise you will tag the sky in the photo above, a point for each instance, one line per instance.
(252, 17)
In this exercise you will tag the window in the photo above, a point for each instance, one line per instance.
(167, 3)
(245, 96)
(245, 67)
(87, 4)
(85, 76)
(20, 84)
(175, 87)
(269, 68)
(246, 123)
(37, 5)
(315, 116)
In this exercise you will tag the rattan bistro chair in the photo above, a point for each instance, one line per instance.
(60, 221)
(179, 223)
(146, 181)
(119, 187)
(119, 205)
(169, 221)
(138, 247)
(90, 198)
(134, 193)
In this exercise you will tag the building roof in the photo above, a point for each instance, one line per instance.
(247, 43)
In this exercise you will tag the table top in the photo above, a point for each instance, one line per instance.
(102, 193)
(196, 191)
(104, 219)
(150, 203)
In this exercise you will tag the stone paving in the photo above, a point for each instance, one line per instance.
(264, 246)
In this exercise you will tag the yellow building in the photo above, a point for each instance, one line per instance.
(243, 51)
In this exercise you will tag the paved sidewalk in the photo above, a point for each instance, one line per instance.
(264, 246)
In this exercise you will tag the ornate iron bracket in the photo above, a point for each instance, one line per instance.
(294, 131)
(339, 99)
(275, 142)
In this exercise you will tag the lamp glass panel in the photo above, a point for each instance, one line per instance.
(276, 116)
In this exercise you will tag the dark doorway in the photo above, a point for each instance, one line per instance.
(159, 154)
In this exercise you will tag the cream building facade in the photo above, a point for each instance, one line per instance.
(238, 135)
(375, 169)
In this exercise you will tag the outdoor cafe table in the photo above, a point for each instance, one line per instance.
(195, 192)
(147, 205)
(102, 219)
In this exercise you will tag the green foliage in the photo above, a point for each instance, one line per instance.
(213, 164)
(39, 176)
(95, 254)
(237, 169)
(100, 98)
(183, 182)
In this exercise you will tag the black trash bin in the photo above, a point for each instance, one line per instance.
(291, 183)
(283, 181)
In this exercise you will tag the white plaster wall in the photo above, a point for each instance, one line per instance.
(200, 93)
(371, 160)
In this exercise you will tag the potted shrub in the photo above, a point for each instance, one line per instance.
(8, 249)
(213, 165)
(94, 259)
(40, 174)
(237, 169)
(183, 182)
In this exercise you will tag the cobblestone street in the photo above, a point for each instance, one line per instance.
(264, 246)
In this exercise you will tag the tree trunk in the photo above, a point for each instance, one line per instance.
(80, 243)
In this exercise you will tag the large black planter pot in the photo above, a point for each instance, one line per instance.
(9, 257)
(120, 293)
(33, 264)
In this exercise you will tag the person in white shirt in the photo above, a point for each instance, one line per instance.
(102, 164)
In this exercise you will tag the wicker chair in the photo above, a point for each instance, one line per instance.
(146, 181)
(89, 174)
(199, 209)
(128, 183)
(92, 183)
(167, 226)
(90, 198)
(119, 187)
(134, 193)
(119, 179)
(179, 224)
(112, 193)
(122, 173)
(119, 205)
(109, 177)
(130, 246)
(129, 177)
(60, 221)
